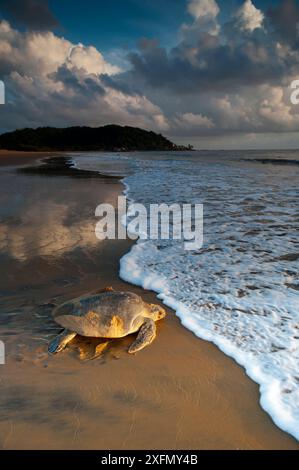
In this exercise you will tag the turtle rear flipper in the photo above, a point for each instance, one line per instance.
(60, 342)
(145, 337)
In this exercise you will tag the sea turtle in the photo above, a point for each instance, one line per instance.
(107, 314)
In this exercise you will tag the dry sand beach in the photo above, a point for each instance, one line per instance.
(179, 393)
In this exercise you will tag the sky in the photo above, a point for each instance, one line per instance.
(213, 73)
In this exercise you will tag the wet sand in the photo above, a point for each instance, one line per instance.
(12, 158)
(179, 393)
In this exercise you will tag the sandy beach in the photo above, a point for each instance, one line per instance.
(179, 393)
(11, 158)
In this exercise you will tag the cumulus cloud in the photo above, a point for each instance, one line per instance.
(64, 86)
(235, 80)
(211, 64)
(89, 58)
(203, 8)
(205, 14)
(197, 121)
(249, 17)
(249, 49)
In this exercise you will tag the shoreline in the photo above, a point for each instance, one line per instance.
(180, 392)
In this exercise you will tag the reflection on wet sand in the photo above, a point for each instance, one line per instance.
(44, 231)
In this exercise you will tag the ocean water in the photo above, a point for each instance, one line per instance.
(241, 290)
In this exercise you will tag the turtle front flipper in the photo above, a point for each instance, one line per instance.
(146, 336)
(60, 342)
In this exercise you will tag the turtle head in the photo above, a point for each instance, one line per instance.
(157, 312)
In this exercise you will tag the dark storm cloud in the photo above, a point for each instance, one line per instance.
(189, 68)
(285, 20)
(33, 14)
(78, 82)
(235, 57)
(120, 83)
